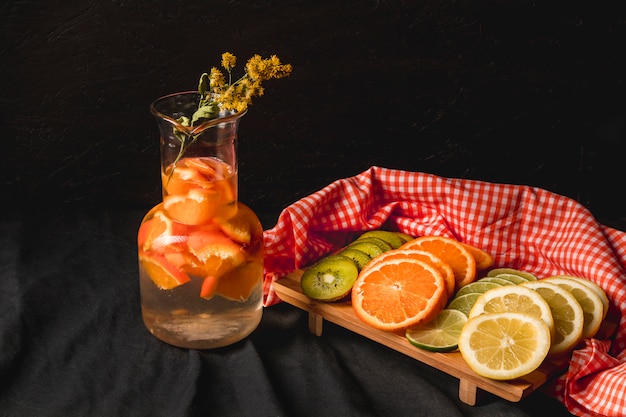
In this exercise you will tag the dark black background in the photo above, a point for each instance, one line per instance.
(498, 90)
(523, 92)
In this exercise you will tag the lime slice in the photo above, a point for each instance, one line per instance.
(514, 278)
(476, 287)
(527, 275)
(464, 303)
(497, 280)
(441, 334)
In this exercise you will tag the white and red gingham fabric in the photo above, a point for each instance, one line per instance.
(520, 226)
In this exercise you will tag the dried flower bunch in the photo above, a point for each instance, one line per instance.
(220, 96)
(219, 93)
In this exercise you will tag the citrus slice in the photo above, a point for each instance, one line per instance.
(464, 303)
(160, 233)
(483, 259)
(497, 280)
(566, 312)
(523, 274)
(446, 270)
(244, 227)
(504, 346)
(516, 299)
(398, 293)
(441, 334)
(239, 283)
(476, 287)
(216, 254)
(588, 300)
(451, 252)
(595, 288)
(161, 272)
(514, 278)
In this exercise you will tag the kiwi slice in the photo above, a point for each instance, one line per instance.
(359, 257)
(390, 237)
(405, 237)
(330, 279)
(384, 246)
(370, 248)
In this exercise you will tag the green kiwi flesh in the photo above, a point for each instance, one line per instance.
(391, 238)
(330, 279)
(359, 257)
(370, 248)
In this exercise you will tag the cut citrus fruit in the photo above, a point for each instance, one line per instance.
(516, 299)
(161, 272)
(595, 288)
(240, 282)
(441, 334)
(451, 252)
(160, 232)
(514, 278)
(464, 303)
(398, 293)
(523, 274)
(193, 208)
(482, 258)
(216, 253)
(504, 346)
(566, 312)
(476, 287)
(589, 301)
(244, 227)
(446, 270)
(209, 284)
(497, 280)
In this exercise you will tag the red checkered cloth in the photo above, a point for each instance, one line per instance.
(522, 227)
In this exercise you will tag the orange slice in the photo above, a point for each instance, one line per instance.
(215, 252)
(160, 233)
(444, 269)
(483, 259)
(451, 252)
(397, 293)
(240, 282)
(161, 272)
(244, 227)
(196, 207)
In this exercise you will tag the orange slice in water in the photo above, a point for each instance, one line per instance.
(240, 282)
(161, 272)
(451, 252)
(160, 233)
(398, 293)
(216, 253)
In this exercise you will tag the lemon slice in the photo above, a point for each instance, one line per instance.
(441, 334)
(504, 346)
(593, 309)
(516, 299)
(594, 287)
(566, 312)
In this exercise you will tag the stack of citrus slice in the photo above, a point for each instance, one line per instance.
(411, 284)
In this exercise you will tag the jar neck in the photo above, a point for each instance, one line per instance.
(213, 139)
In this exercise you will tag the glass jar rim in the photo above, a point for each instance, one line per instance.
(192, 129)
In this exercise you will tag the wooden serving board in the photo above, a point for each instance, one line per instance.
(452, 363)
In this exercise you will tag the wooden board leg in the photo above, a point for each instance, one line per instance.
(315, 323)
(467, 392)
